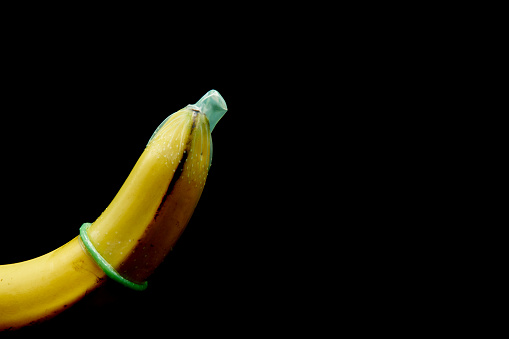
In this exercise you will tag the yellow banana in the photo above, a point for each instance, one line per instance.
(136, 230)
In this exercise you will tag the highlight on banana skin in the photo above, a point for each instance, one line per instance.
(135, 232)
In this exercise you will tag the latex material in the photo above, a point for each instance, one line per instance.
(103, 264)
(211, 104)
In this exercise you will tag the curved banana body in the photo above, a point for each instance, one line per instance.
(134, 233)
(40, 288)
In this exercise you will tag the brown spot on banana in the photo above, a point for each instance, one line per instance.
(176, 206)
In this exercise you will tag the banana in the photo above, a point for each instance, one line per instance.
(134, 233)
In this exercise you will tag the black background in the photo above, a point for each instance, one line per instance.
(321, 209)
(297, 229)
(261, 254)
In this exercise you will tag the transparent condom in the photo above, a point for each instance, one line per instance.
(214, 107)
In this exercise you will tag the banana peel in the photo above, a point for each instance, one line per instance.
(135, 232)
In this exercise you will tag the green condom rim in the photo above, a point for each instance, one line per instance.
(104, 265)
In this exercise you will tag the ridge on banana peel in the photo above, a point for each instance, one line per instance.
(134, 233)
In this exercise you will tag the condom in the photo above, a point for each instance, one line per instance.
(103, 264)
